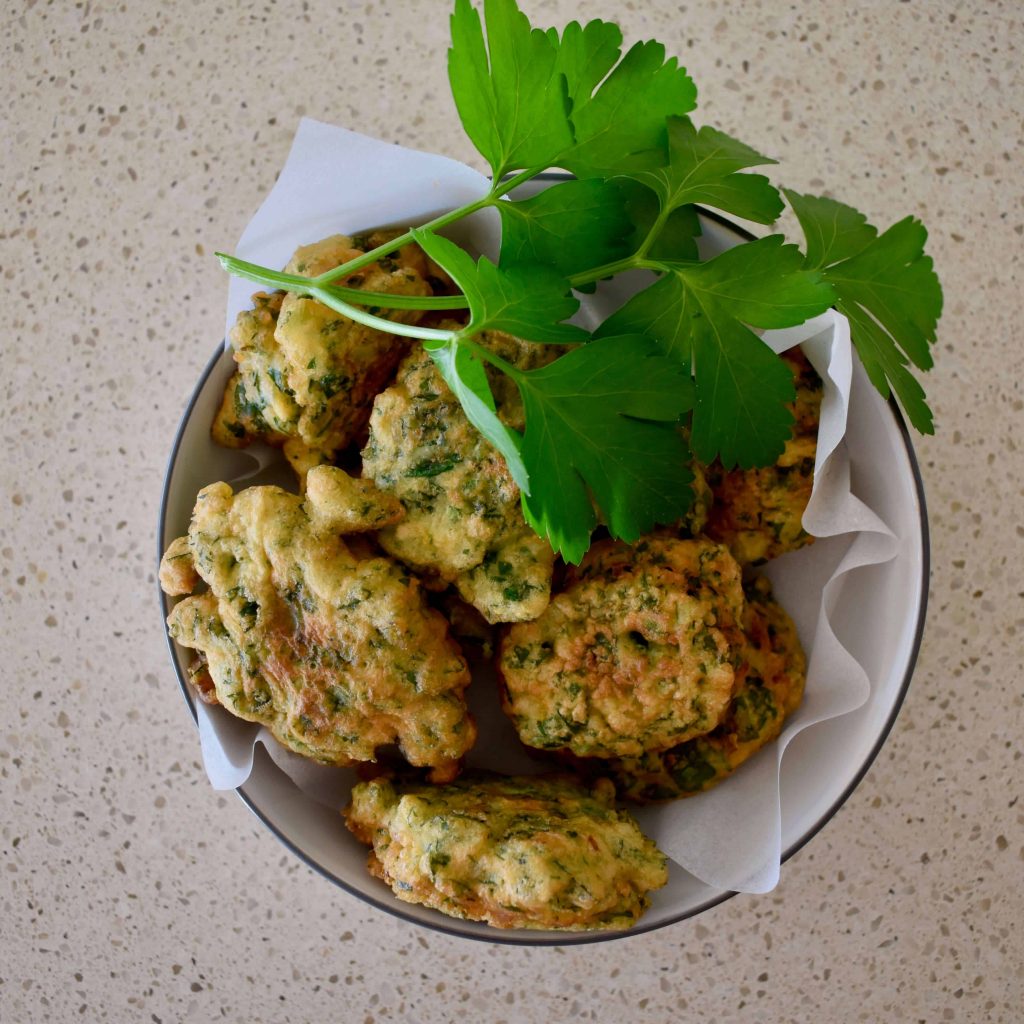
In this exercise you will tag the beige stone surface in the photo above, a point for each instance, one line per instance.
(138, 139)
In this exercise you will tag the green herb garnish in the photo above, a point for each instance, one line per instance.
(885, 286)
(603, 439)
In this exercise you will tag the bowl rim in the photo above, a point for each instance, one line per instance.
(570, 938)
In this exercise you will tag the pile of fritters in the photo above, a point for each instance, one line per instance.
(661, 666)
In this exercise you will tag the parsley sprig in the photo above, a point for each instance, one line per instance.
(603, 439)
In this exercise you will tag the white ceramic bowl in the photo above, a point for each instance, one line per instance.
(879, 618)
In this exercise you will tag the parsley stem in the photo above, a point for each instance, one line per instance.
(309, 285)
(659, 222)
(301, 286)
(498, 189)
(379, 323)
(325, 296)
(634, 262)
(335, 297)
(638, 261)
(491, 357)
(404, 239)
(506, 185)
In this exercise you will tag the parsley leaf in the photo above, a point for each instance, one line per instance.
(700, 315)
(762, 283)
(703, 167)
(466, 377)
(885, 286)
(601, 430)
(528, 301)
(512, 105)
(571, 226)
(618, 109)
(659, 313)
(886, 366)
(531, 99)
(833, 230)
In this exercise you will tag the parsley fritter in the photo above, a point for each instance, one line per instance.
(307, 375)
(526, 852)
(636, 654)
(463, 522)
(770, 687)
(336, 654)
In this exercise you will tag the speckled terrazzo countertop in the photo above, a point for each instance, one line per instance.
(138, 139)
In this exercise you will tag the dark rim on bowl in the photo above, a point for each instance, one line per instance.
(572, 938)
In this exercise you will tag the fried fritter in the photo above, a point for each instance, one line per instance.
(758, 512)
(695, 521)
(527, 852)
(636, 654)
(306, 375)
(336, 654)
(463, 523)
(770, 687)
(177, 570)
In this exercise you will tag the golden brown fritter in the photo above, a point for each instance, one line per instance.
(695, 521)
(336, 654)
(636, 654)
(528, 852)
(758, 512)
(463, 523)
(770, 687)
(178, 574)
(307, 375)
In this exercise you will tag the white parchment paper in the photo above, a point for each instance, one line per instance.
(730, 837)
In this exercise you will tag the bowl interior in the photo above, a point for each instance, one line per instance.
(878, 616)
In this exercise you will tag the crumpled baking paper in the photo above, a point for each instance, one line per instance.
(730, 837)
